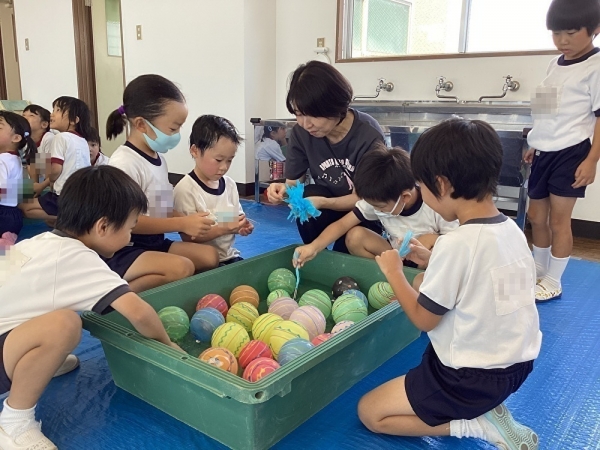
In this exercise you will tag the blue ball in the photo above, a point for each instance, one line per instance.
(204, 323)
(292, 349)
(358, 294)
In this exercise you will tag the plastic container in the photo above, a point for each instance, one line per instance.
(235, 412)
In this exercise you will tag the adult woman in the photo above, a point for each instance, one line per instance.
(329, 139)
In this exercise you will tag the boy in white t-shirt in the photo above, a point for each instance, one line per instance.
(476, 302)
(566, 113)
(97, 158)
(214, 142)
(46, 279)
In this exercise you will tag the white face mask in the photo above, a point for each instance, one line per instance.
(389, 215)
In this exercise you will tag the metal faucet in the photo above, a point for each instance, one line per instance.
(447, 86)
(381, 86)
(509, 85)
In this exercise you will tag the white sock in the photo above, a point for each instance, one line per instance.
(12, 420)
(466, 428)
(541, 256)
(556, 268)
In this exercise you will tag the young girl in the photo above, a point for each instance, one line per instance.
(14, 136)
(97, 158)
(39, 121)
(155, 110)
(269, 147)
(69, 153)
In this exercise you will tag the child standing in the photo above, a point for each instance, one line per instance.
(476, 302)
(566, 113)
(97, 158)
(39, 121)
(155, 110)
(214, 142)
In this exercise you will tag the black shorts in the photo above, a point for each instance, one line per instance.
(5, 382)
(231, 261)
(439, 394)
(554, 172)
(49, 203)
(11, 220)
(124, 258)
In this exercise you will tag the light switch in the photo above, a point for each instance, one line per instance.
(138, 30)
(320, 42)
(27, 44)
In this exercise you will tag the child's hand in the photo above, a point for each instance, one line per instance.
(247, 229)
(275, 193)
(304, 254)
(418, 253)
(390, 263)
(528, 158)
(585, 173)
(197, 225)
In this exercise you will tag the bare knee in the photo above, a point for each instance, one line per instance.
(66, 329)
(212, 257)
(367, 416)
(180, 268)
(354, 238)
(560, 223)
(537, 216)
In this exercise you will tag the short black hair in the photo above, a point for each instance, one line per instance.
(317, 89)
(76, 109)
(573, 15)
(208, 129)
(20, 126)
(94, 136)
(40, 111)
(95, 192)
(271, 127)
(383, 174)
(467, 152)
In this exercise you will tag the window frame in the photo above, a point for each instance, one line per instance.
(343, 46)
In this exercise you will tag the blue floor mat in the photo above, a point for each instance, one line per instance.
(560, 399)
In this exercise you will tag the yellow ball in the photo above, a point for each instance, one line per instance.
(244, 314)
(283, 332)
(231, 336)
(244, 293)
(263, 326)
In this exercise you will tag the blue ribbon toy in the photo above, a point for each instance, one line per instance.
(301, 208)
(405, 247)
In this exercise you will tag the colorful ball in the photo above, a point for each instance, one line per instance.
(359, 294)
(381, 294)
(283, 332)
(231, 336)
(311, 318)
(292, 349)
(349, 307)
(204, 323)
(277, 293)
(283, 307)
(260, 368)
(342, 284)
(321, 338)
(213, 301)
(262, 327)
(318, 298)
(244, 293)
(176, 322)
(282, 279)
(341, 326)
(243, 313)
(221, 358)
(253, 350)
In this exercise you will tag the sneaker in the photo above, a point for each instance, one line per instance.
(544, 294)
(30, 439)
(514, 436)
(71, 363)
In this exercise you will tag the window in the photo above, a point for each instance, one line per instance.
(397, 28)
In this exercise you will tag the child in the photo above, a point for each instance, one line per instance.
(69, 153)
(566, 113)
(14, 136)
(39, 121)
(155, 110)
(214, 142)
(269, 147)
(56, 274)
(476, 302)
(97, 158)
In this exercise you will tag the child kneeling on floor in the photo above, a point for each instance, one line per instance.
(46, 279)
(476, 302)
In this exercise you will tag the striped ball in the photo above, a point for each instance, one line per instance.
(204, 323)
(292, 349)
(321, 338)
(213, 301)
(221, 358)
(349, 307)
(176, 322)
(243, 313)
(253, 350)
(283, 332)
(277, 293)
(341, 326)
(318, 298)
(381, 294)
(359, 294)
(311, 318)
(231, 336)
(282, 279)
(260, 368)
(262, 327)
(283, 307)
(244, 293)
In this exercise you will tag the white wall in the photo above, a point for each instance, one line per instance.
(11, 66)
(48, 69)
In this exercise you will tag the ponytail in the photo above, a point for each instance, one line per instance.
(20, 126)
(116, 122)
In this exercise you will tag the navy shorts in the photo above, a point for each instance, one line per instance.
(124, 258)
(231, 261)
(5, 382)
(554, 172)
(439, 394)
(49, 203)
(11, 219)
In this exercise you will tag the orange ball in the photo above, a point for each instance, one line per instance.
(244, 293)
(221, 358)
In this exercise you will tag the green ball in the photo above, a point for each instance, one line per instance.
(318, 298)
(282, 279)
(349, 307)
(176, 322)
(277, 293)
(380, 294)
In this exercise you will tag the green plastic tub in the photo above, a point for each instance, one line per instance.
(235, 412)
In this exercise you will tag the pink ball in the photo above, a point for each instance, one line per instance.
(259, 368)
(341, 326)
(213, 301)
(283, 307)
(321, 338)
(253, 350)
(311, 318)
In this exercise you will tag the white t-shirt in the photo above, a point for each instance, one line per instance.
(101, 160)
(268, 149)
(51, 272)
(481, 279)
(566, 105)
(46, 142)
(73, 152)
(193, 196)
(150, 173)
(11, 178)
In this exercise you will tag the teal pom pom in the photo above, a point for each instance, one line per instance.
(301, 208)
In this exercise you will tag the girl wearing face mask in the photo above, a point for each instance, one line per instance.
(155, 109)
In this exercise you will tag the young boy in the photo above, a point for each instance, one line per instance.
(389, 193)
(476, 302)
(566, 113)
(44, 280)
(97, 158)
(214, 142)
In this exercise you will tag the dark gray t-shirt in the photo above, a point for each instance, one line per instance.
(326, 163)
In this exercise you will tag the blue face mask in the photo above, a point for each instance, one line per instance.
(163, 142)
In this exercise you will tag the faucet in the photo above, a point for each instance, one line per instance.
(509, 85)
(447, 86)
(383, 85)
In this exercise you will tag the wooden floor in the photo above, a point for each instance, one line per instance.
(583, 248)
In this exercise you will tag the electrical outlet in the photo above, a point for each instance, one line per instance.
(138, 31)
(26, 44)
(320, 42)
